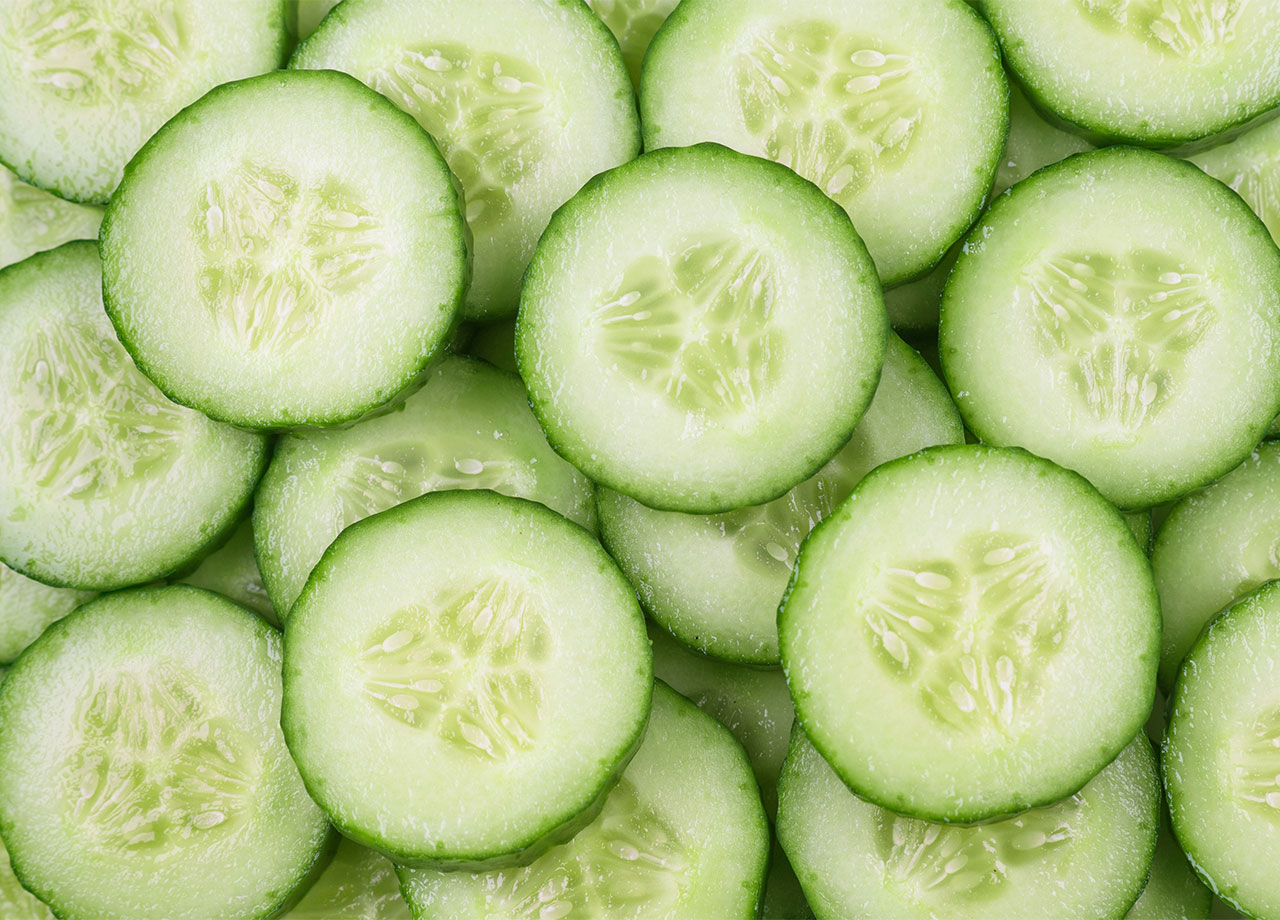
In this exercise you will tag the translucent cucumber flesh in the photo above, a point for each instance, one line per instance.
(232, 570)
(633, 23)
(358, 884)
(32, 220)
(16, 903)
(27, 607)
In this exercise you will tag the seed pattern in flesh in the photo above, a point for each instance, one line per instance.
(491, 114)
(634, 23)
(1255, 765)
(467, 666)
(1181, 27)
(1259, 185)
(276, 252)
(1120, 330)
(627, 864)
(155, 770)
(837, 108)
(767, 537)
(971, 633)
(696, 323)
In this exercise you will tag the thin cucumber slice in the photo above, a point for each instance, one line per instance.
(1221, 755)
(16, 903)
(496, 343)
(528, 99)
(681, 837)
(232, 570)
(700, 330)
(358, 884)
(1140, 523)
(900, 117)
(272, 272)
(105, 482)
(1118, 313)
(143, 774)
(32, 220)
(84, 84)
(305, 15)
(1173, 892)
(26, 608)
(465, 676)
(979, 601)
(1250, 165)
(633, 23)
(1159, 73)
(469, 427)
(1086, 856)
(715, 581)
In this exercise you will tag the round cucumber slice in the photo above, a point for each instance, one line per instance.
(465, 676)
(1173, 892)
(700, 330)
(26, 608)
(232, 570)
(899, 118)
(16, 903)
(289, 250)
(1250, 165)
(1118, 313)
(358, 884)
(978, 601)
(715, 581)
(633, 23)
(469, 427)
(32, 220)
(528, 99)
(682, 836)
(1086, 856)
(1221, 754)
(105, 482)
(142, 769)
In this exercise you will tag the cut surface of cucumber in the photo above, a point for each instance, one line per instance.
(700, 330)
(27, 607)
(105, 483)
(979, 601)
(465, 676)
(1173, 892)
(469, 427)
(1086, 856)
(305, 15)
(715, 581)
(899, 116)
(682, 836)
(528, 99)
(16, 903)
(1250, 165)
(1118, 313)
(84, 83)
(32, 220)
(287, 251)
(143, 774)
(232, 571)
(358, 884)
(633, 23)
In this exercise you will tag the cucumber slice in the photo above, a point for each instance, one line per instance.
(700, 330)
(280, 274)
(105, 483)
(305, 15)
(358, 884)
(84, 84)
(528, 99)
(1221, 755)
(899, 118)
(1118, 313)
(231, 570)
(16, 903)
(142, 769)
(496, 343)
(681, 837)
(26, 608)
(1173, 891)
(465, 677)
(1158, 73)
(32, 220)
(1250, 165)
(1140, 523)
(633, 23)
(469, 427)
(1086, 856)
(978, 601)
(715, 581)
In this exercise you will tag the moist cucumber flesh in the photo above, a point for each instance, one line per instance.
(469, 427)
(287, 251)
(27, 607)
(1119, 314)
(1086, 856)
(105, 482)
(1221, 754)
(700, 330)
(1173, 892)
(232, 571)
(305, 15)
(715, 581)
(527, 100)
(682, 836)
(84, 84)
(633, 23)
(144, 774)
(979, 601)
(358, 884)
(465, 675)
(900, 119)
(1250, 165)
(32, 220)
(1140, 523)
(16, 903)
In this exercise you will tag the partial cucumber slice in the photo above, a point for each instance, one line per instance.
(1153, 72)
(1140, 523)
(142, 769)
(1221, 755)
(700, 330)
(978, 601)
(1086, 856)
(496, 343)
(16, 903)
(232, 570)
(900, 117)
(528, 99)
(1173, 891)
(305, 15)
(715, 581)
(633, 23)
(681, 837)
(84, 84)
(469, 427)
(1118, 313)
(26, 608)
(283, 273)
(1250, 165)
(358, 884)
(32, 220)
(105, 482)
(465, 676)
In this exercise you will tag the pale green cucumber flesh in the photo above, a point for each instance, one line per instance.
(1250, 165)
(1173, 892)
(16, 903)
(633, 23)
(358, 884)
(32, 220)
(232, 571)
(27, 607)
